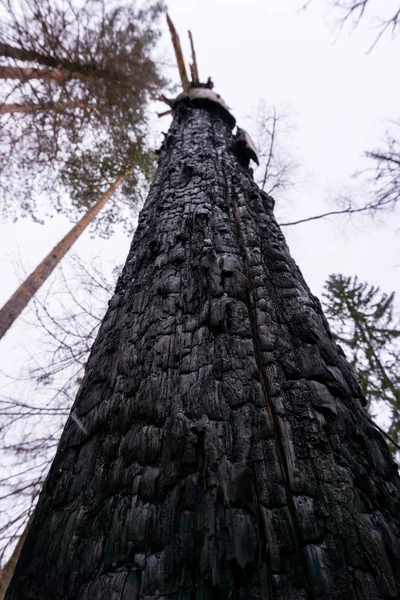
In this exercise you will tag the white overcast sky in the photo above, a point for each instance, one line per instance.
(341, 100)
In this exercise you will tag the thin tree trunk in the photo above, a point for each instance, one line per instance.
(60, 76)
(218, 448)
(16, 304)
(7, 571)
(22, 54)
(28, 107)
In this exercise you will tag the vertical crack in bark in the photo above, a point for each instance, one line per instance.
(251, 309)
(272, 594)
(260, 374)
(262, 382)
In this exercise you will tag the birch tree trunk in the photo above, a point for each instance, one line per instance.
(219, 447)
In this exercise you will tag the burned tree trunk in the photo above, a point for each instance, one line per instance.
(218, 446)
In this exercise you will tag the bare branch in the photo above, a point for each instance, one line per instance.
(277, 166)
(271, 151)
(179, 55)
(354, 11)
(164, 114)
(193, 67)
(345, 211)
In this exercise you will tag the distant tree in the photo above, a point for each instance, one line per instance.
(385, 173)
(278, 170)
(75, 75)
(26, 291)
(364, 322)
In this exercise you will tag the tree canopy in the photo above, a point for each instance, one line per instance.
(76, 82)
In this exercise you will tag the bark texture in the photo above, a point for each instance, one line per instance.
(224, 451)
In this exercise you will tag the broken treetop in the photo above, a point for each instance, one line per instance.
(201, 95)
(197, 93)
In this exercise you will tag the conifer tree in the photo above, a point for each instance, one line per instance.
(76, 79)
(364, 323)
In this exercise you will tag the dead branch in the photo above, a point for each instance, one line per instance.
(164, 99)
(164, 114)
(193, 66)
(179, 55)
(345, 211)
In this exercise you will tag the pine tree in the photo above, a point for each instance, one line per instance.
(364, 323)
(76, 80)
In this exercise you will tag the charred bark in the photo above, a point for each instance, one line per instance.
(219, 446)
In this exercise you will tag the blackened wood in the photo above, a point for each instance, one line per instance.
(227, 453)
